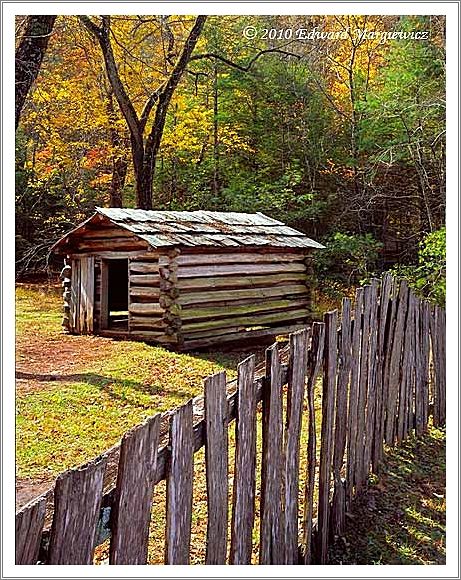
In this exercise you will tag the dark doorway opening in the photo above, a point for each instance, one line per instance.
(117, 294)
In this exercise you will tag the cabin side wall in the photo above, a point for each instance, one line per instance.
(219, 296)
(89, 254)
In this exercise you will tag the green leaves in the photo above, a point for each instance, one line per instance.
(428, 277)
(348, 258)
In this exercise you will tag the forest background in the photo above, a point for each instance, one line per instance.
(341, 135)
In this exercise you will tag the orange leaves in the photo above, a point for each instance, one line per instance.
(93, 158)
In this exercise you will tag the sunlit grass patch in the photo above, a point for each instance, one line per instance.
(38, 308)
(83, 411)
(402, 516)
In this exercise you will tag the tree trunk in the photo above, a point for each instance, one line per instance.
(29, 56)
(119, 169)
(144, 154)
(119, 162)
(145, 175)
(215, 132)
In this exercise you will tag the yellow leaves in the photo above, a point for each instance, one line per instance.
(190, 128)
(101, 180)
(231, 140)
(352, 62)
(191, 131)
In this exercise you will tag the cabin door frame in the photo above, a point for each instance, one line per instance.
(82, 295)
(104, 294)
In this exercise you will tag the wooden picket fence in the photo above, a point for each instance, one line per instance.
(380, 370)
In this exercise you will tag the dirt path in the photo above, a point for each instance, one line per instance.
(40, 362)
(41, 359)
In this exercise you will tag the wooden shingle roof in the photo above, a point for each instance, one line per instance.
(163, 229)
(207, 228)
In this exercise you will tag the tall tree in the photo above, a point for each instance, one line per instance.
(144, 147)
(29, 56)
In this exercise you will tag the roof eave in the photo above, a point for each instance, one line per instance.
(55, 247)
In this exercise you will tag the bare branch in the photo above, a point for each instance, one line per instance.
(243, 68)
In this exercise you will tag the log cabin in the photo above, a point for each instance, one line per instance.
(185, 279)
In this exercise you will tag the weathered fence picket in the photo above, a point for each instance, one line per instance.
(425, 355)
(338, 510)
(295, 398)
(363, 388)
(271, 532)
(383, 373)
(405, 378)
(326, 446)
(216, 459)
(395, 368)
(179, 487)
(314, 366)
(29, 526)
(419, 377)
(353, 395)
(371, 379)
(243, 506)
(133, 494)
(437, 327)
(77, 499)
(381, 393)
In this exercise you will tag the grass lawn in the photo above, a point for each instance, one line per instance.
(401, 518)
(76, 395)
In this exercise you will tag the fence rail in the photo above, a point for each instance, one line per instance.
(381, 366)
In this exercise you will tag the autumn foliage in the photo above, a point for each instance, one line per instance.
(334, 135)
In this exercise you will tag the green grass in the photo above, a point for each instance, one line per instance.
(65, 422)
(401, 518)
(38, 309)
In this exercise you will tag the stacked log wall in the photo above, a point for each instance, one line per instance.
(222, 295)
(192, 300)
(146, 316)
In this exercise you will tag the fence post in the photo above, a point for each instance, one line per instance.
(216, 459)
(326, 446)
(295, 396)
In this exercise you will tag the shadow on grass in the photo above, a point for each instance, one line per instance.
(106, 384)
(226, 359)
(400, 519)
